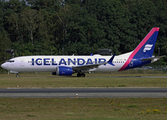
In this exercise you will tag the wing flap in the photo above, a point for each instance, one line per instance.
(86, 67)
(92, 66)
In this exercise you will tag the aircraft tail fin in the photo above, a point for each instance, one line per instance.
(146, 47)
(144, 50)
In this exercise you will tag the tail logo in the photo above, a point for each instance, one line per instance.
(147, 47)
(131, 64)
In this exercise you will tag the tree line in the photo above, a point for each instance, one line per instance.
(80, 27)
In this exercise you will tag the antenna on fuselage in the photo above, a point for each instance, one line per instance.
(11, 51)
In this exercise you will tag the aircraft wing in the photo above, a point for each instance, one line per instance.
(86, 67)
(91, 66)
(153, 59)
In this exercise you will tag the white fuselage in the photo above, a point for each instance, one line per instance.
(50, 63)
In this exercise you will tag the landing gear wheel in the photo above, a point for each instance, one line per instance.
(17, 75)
(80, 75)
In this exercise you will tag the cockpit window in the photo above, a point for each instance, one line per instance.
(11, 61)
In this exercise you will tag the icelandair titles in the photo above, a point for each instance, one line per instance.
(78, 61)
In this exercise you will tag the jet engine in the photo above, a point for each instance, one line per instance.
(62, 70)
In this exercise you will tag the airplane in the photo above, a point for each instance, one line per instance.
(67, 65)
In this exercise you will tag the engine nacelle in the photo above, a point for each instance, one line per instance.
(15, 72)
(62, 70)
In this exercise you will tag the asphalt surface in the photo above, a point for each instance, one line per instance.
(83, 92)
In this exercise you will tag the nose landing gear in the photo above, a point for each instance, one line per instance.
(17, 75)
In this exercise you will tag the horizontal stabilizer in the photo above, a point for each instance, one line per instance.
(153, 59)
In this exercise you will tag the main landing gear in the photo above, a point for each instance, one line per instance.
(80, 75)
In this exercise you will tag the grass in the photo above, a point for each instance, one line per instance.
(45, 80)
(83, 108)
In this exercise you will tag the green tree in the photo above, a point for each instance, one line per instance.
(29, 20)
(11, 22)
(96, 24)
(81, 26)
(5, 44)
(161, 17)
(4, 41)
(1, 15)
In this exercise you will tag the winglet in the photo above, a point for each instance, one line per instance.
(110, 60)
(91, 54)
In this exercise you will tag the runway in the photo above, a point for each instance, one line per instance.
(83, 92)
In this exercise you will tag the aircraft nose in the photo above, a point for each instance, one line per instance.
(4, 65)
